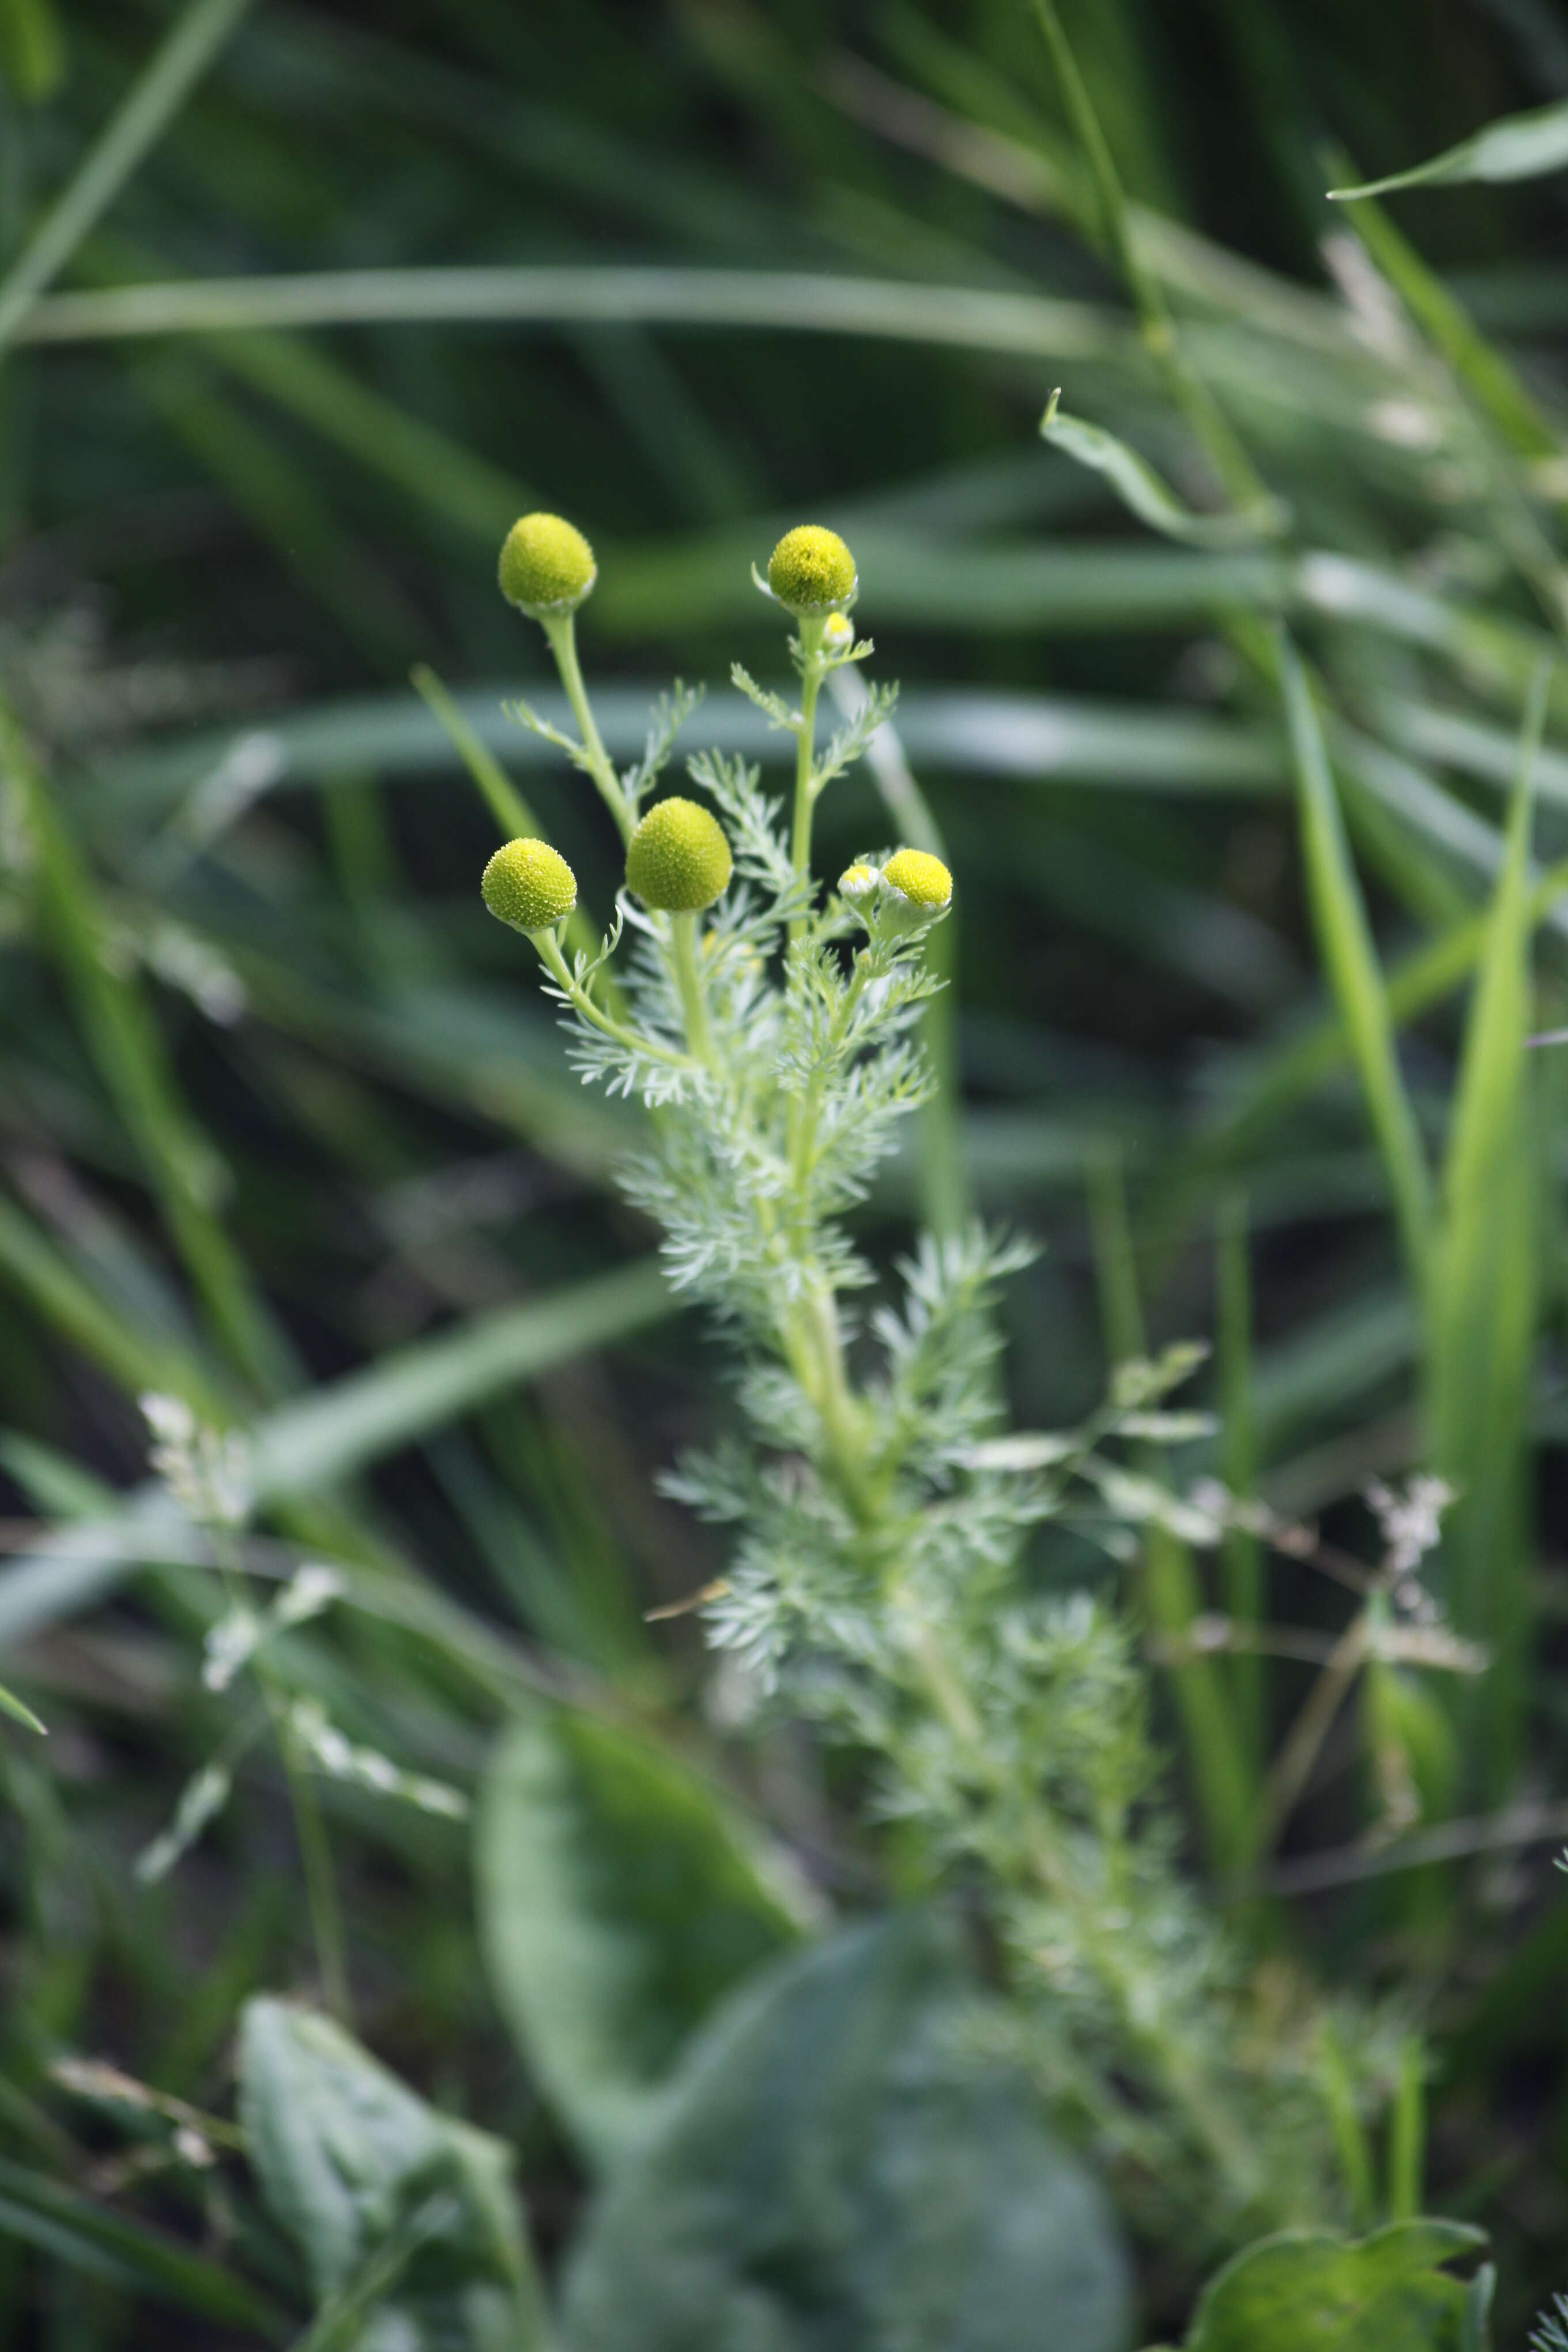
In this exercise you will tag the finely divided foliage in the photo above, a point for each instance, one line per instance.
(881, 1515)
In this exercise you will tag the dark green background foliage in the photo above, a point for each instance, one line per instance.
(285, 1129)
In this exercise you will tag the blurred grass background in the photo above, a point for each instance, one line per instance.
(284, 1128)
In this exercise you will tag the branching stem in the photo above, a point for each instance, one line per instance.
(562, 636)
(632, 1039)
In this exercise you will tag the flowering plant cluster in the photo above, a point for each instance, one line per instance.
(883, 1579)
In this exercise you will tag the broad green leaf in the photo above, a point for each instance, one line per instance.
(1516, 147)
(1389, 2293)
(619, 1901)
(1355, 976)
(840, 2167)
(1150, 497)
(364, 2175)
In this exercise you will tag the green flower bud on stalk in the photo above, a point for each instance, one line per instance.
(679, 858)
(530, 886)
(547, 567)
(811, 572)
(838, 634)
(924, 880)
(857, 881)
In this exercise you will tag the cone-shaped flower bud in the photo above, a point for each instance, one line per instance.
(678, 857)
(811, 570)
(920, 878)
(530, 886)
(547, 567)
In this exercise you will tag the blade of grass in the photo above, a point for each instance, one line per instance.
(34, 1269)
(500, 796)
(797, 301)
(318, 1440)
(129, 1054)
(281, 502)
(1483, 1323)
(1171, 1592)
(1210, 426)
(1354, 974)
(144, 114)
(1242, 1555)
(1516, 147)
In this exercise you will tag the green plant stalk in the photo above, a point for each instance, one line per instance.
(694, 1011)
(561, 633)
(1407, 2133)
(309, 1830)
(812, 673)
(1350, 2136)
(550, 951)
(316, 1861)
(855, 1475)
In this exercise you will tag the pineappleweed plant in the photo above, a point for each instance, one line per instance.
(880, 1583)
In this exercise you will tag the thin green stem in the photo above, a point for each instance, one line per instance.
(315, 1859)
(812, 673)
(693, 1007)
(562, 636)
(309, 1830)
(632, 1039)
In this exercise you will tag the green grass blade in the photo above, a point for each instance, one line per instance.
(129, 1052)
(1173, 1594)
(1345, 942)
(145, 113)
(10, 1704)
(318, 1440)
(1516, 147)
(1482, 1341)
(500, 796)
(1145, 493)
(1492, 381)
(1242, 1555)
(44, 2213)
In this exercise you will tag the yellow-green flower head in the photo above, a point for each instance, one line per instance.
(530, 886)
(678, 857)
(838, 634)
(857, 881)
(547, 566)
(811, 570)
(920, 878)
